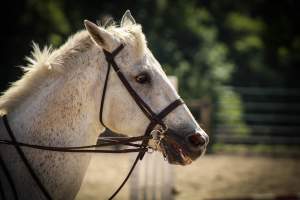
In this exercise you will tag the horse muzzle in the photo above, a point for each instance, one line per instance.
(183, 149)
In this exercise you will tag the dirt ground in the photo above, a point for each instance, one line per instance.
(213, 176)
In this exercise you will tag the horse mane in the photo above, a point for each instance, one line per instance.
(47, 61)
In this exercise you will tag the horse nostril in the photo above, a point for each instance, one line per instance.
(196, 140)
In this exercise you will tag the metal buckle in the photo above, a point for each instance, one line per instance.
(158, 135)
(150, 150)
(163, 128)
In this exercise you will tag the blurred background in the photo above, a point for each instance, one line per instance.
(236, 63)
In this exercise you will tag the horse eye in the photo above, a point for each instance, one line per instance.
(142, 78)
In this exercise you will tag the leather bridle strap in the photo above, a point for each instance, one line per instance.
(139, 101)
(114, 53)
(25, 161)
(152, 124)
(146, 139)
(9, 179)
(88, 148)
(155, 119)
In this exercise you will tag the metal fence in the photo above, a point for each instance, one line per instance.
(269, 115)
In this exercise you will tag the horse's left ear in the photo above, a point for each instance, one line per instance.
(101, 36)
(127, 19)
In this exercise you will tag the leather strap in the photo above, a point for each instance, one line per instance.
(25, 161)
(9, 179)
(139, 101)
(103, 96)
(88, 148)
(152, 125)
(155, 119)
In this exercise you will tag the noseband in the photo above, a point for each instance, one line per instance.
(150, 133)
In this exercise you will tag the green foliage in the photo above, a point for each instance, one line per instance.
(230, 111)
(240, 23)
(188, 47)
(206, 44)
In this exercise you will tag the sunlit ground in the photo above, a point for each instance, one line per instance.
(213, 176)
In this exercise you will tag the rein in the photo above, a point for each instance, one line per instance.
(150, 133)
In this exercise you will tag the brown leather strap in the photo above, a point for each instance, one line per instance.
(25, 160)
(155, 119)
(109, 58)
(139, 101)
(126, 178)
(161, 115)
(170, 108)
(89, 148)
(146, 139)
(9, 180)
(81, 149)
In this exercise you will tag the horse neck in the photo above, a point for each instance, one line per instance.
(63, 111)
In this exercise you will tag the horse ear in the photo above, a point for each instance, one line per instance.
(127, 19)
(102, 37)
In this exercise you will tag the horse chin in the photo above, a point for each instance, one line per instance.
(176, 154)
(172, 151)
(177, 150)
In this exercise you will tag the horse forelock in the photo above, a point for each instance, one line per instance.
(131, 35)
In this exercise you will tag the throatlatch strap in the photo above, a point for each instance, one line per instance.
(103, 95)
(24, 159)
(109, 58)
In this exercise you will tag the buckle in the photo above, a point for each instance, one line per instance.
(158, 134)
(150, 150)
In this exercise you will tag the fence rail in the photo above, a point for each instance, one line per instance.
(266, 106)
(254, 140)
(265, 115)
(265, 91)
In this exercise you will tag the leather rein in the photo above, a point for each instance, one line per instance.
(150, 133)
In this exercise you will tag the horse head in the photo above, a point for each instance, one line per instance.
(184, 140)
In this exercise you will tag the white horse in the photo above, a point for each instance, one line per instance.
(57, 102)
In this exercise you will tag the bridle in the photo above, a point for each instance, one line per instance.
(150, 133)
(155, 119)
